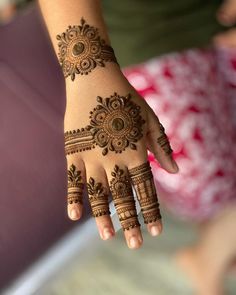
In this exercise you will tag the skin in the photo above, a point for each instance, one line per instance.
(226, 15)
(81, 98)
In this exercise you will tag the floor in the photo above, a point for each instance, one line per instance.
(111, 268)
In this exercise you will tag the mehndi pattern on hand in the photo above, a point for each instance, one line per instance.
(163, 141)
(122, 195)
(75, 185)
(81, 50)
(98, 198)
(115, 125)
(142, 180)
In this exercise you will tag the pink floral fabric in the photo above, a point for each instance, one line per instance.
(194, 95)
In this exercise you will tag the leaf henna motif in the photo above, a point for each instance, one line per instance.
(98, 198)
(75, 185)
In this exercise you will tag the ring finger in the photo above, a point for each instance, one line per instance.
(124, 202)
(142, 180)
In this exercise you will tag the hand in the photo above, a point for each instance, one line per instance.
(226, 15)
(113, 128)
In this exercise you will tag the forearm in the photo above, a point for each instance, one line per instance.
(74, 52)
(59, 14)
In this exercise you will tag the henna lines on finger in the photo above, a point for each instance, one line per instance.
(163, 141)
(75, 186)
(81, 50)
(142, 180)
(98, 198)
(121, 191)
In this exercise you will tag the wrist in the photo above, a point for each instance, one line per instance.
(101, 79)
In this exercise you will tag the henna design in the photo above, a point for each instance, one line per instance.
(81, 50)
(115, 124)
(121, 191)
(98, 198)
(142, 180)
(75, 186)
(78, 140)
(163, 141)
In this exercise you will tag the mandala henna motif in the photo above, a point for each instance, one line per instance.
(163, 141)
(98, 198)
(75, 185)
(142, 180)
(81, 50)
(115, 124)
(121, 191)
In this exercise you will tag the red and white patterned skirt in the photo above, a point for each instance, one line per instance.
(194, 95)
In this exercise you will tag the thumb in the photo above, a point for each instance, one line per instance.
(158, 144)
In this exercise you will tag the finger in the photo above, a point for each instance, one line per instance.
(75, 186)
(226, 39)
(142, 180)
(124, 202)
(226, 15)
(98, 191)
(158, 144)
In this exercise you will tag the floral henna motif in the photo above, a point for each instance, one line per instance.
(98, 198)
(75, 185)
(163, 141)
(121, 191)
(81, 50)
(115, 124)
(142, 180)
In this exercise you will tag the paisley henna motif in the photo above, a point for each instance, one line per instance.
(98, 198)
(75, 185)
(81, 50)
(121, 191)
(142, 180)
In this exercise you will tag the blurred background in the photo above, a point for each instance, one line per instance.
(181, 57)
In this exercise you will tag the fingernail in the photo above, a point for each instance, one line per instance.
(107, 233)
(174, 165)
(155, 231)
(73, 214)
(133, 242)
(140, 239)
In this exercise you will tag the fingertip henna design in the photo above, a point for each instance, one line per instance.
(121, 191)
(75, 186)
(163, 141)
(98, 198)
(81, 50)
(142, 180)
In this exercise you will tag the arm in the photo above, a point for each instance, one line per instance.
(108, 126)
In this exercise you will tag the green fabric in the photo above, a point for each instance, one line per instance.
(141, 29)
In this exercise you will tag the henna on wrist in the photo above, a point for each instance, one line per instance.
(98, 198)
(121, 191)
(163, 141)
(81, 50)
(142, 180)
(75, 186)
(115, 125)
